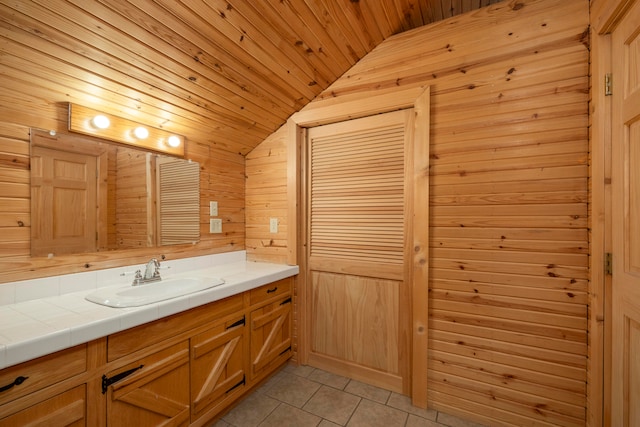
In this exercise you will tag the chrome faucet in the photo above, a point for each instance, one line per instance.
(152, 271)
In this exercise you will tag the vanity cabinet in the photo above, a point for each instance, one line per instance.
(150, 391)
(49, 390)
(184, 369)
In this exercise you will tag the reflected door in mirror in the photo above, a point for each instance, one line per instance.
(63, 195)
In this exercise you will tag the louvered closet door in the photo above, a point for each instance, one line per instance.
(356, 230)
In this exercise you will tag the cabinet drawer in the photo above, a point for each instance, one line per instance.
(126, 342)
(266, 292)
(42, 372)
(65, 409)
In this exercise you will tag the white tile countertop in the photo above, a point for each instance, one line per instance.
(35, 327)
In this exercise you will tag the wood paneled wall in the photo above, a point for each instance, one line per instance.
(266, 197)
(221, 179)
(509, 204)
(133, 216)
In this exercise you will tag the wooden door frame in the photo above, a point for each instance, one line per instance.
(604, 17)
(331, 110)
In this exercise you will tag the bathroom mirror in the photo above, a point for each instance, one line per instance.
(89, 195)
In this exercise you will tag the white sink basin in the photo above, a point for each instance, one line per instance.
(148, 293)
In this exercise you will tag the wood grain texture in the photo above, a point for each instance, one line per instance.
(226, 72)
(509, 237)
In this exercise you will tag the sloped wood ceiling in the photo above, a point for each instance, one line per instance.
(224, 73)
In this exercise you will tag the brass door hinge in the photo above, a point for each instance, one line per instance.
(608, 84)
(608, 263)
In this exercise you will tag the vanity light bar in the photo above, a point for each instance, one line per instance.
(91, 122)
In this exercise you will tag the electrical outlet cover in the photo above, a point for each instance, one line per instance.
(215, 225)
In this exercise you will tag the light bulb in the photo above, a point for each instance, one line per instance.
(141, 132)
(173, 141)
(101, 122)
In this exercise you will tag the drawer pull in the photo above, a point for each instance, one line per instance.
(106, 382)
(285, 350)
(242, 382)
(269, 291)
(17, 381)
(287, 301)
(238, 323)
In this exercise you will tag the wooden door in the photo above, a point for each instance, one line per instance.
(358, 208)
(63, 202)
(217, 367)
(625, 380)
(151, 391)
(270, 337)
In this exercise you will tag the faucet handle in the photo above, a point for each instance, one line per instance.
(129, 273)
(137, 279)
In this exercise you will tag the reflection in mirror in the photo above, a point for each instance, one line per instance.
(88, 195)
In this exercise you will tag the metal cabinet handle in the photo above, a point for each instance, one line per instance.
(17, 381)
(272, 290)
(237, 323)
(106, 382)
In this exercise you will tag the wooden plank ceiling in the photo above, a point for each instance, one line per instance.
(221, 72)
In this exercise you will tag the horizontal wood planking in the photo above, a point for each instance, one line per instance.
(15, 191)
(229, 72)
(509, 259)
(266, 197)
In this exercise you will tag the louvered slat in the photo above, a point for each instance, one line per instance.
(357, 182)
(179, 203)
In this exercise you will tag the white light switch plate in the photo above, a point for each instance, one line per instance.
(215, 225)
(213, 208)
(273, 225)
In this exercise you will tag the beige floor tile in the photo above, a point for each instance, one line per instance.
(301, 370)
(373, 414)
(293, 389)
(403, 403)
(302, 396)
(327, 423)
(327, 378)
(251, 411)
(266, 386)
(289, 416)
(368, 391)
(415, 421)
(333, 405)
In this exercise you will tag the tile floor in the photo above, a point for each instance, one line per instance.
(301, 396)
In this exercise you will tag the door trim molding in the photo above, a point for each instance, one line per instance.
(351, 106)
(604, 17)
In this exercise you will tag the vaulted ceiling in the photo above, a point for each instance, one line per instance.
(221, 72)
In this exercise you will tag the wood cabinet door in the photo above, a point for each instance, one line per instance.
(270, 336)
(67, 409)
(151, 391)
(217, 367)
(625, 379)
